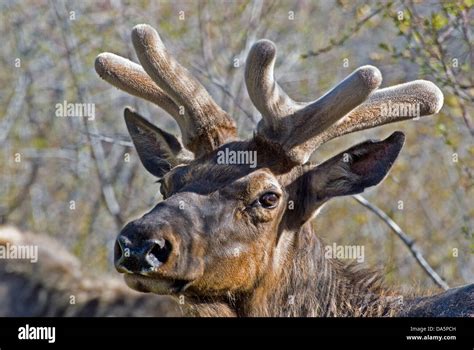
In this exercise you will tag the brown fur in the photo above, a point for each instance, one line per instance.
(235, 239)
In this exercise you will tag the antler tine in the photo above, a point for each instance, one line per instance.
(207, 126)
(130, 77)
(294, 125)
(370, 114)
(267, 96)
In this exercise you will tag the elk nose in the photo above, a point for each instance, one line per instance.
(142, 258)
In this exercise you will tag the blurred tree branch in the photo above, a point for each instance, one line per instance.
(109, 139)
(407, 240)
(441, 44)
(226, 91)
(22, 194)
(335, 42)
(14, 107)
(97, 149)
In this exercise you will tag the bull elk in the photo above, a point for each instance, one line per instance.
(224, 237)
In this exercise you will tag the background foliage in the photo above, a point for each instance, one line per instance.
(47, 56)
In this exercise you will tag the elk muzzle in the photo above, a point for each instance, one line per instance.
(141, 258)
(151, 254)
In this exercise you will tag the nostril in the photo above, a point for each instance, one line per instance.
(118, 256)
(160, 251)
(117, 251)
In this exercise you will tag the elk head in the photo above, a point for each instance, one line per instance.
(224, 224)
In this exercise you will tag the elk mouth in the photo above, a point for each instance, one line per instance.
(160, 286)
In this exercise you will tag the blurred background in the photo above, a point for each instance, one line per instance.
(79, 180)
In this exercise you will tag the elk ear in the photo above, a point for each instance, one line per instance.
(158, 150)
(359, 167)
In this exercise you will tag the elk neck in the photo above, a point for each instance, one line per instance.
(303, 282)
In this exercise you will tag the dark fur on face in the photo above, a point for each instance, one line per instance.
(234, 237)
(230, 248)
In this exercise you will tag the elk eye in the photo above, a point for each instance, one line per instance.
(269, 200)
